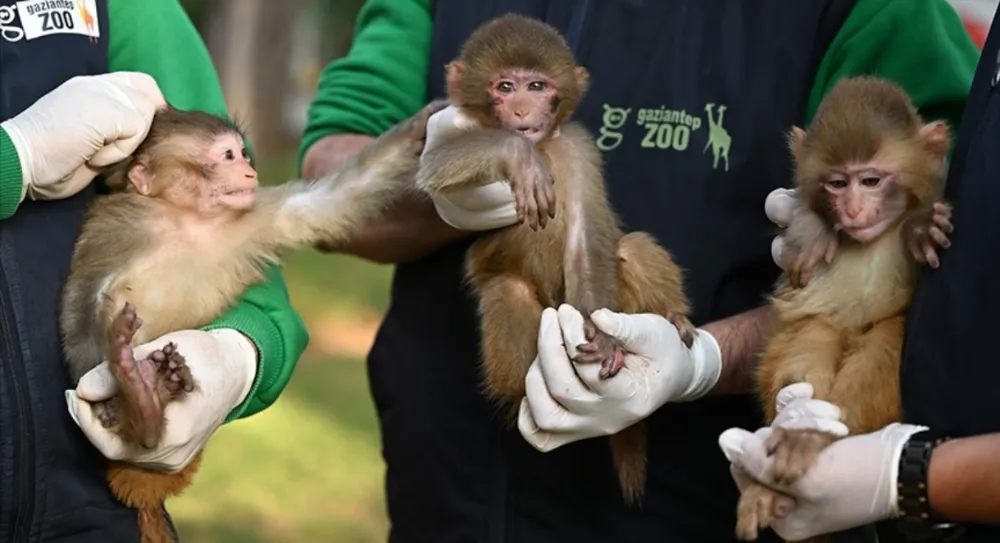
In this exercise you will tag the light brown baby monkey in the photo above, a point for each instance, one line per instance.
(516, 84)
(868, 175)
(184, 233)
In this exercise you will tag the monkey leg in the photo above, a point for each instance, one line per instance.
(510, 314)
(147, 490)
(757, 509)
(866, 389)
(139, 407)
(651, 282)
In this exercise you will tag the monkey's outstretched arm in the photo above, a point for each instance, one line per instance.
(334, 208)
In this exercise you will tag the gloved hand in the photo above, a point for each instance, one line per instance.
(479, 208)
(796, 409)
(83, 125)
(562, 405)
(779, 207)
(223, 363)
(851, 484)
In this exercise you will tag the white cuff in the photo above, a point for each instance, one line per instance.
(242, 351)
(706, 357)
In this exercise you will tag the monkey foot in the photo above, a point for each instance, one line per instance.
(173, 374)
(107, 412)
(757, 508)
(795, 451)
(684, 328)
(602, 349)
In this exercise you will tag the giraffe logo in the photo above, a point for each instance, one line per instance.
(718, 137)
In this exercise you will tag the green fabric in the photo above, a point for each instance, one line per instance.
(383, 79)
(158, 38)
(922, 45)
(10, 176)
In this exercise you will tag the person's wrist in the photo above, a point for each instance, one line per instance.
(902, 433)
(706, 361)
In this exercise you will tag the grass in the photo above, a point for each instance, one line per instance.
(310, 467)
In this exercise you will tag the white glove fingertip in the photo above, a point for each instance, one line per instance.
(571, 324)
(794, 391)
(731, 442)
(98, 384)
(779, 206)
(777, 246)
(82, 413)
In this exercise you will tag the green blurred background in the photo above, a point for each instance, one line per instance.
(310, 467)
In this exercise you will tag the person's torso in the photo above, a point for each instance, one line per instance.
(54, 485)
(689, 102)
(949, 365)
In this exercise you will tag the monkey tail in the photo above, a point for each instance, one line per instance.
(628, 454)
(147, 490)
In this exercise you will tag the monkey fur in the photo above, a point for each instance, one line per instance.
(185, 231)
(868, 176)
(518, 83)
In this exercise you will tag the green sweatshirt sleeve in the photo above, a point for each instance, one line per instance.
(921, 45)
(382, 80)
(158, 38)
(10, 177)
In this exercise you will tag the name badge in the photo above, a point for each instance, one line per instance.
(46, 17)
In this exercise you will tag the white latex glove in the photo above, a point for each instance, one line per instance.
(478, 208)
(796, 409)
(567, 402)
(852, 484)
(83, 125)
(779, 207)
(223, 363)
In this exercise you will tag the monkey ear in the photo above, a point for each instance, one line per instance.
(796, 141)
(140, 178)
(935, 138)
(454, 74)
(582, 77)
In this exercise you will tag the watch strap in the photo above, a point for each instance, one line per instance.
(916, 521)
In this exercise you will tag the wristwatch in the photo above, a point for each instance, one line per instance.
(916, 521)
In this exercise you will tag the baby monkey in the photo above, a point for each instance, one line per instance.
(868, 174)
(185, 231)
(515, 86)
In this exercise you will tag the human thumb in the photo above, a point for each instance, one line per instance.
(97, 384)
(619, 326)
(746, 451)
(795, 391)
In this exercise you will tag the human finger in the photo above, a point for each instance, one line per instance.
(548, 413)
(779, 206)
(98, 384)
(82, 413)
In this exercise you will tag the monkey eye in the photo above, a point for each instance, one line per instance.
(505, 87)
(871, 181)
(229, 155)
(836, 183)
(537, 86)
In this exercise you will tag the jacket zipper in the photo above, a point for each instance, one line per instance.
(23, 440)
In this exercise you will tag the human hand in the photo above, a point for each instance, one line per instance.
(850, 484)
(89, 122)
(223, 364)
(484, 207)
(779, 207)
(567, 402)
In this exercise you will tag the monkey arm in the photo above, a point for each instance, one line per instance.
(741, 338)
(409, 229)
(469, 158)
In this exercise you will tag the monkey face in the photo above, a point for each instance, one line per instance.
(865, 199)
(525, 102)
(233, 182)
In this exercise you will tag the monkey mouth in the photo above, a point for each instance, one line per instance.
(869, 232)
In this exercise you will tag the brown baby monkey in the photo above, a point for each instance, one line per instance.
(185, 231)
(868, 175)
(515, 85)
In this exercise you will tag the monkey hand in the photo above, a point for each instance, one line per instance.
(848, 486)
(567, 402)
(805, 240)
(83, 125)
(928, 230)
(223, 364)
